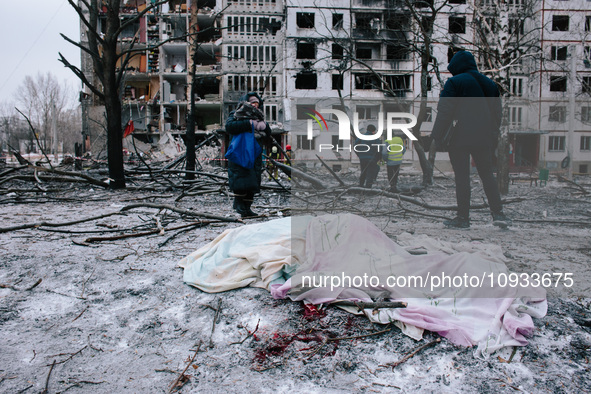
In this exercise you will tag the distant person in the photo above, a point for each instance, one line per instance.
(273, 169)
(392, 154)
(475, 134)
(246, 182)
(289, 156)
(368, 158)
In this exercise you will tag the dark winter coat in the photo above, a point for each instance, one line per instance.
(243, 180)
(478, 120)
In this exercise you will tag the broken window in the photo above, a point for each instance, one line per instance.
(363, 53)
(254, 25)
(396, 22)
(451, 51)
(306, 80)
(305, 20)
(337, 21)
(457, 25)
(305, 144)
(337, 82)
(557, 114)
(558, 53)
(366, 81)
(206, 3)
(254, 83)
(586, 85)
(397, 83)
(556, 143)
(337, 51)
(367, 51)
(396, 52)
(560, 22)
(368, 21)
(557, 84)
(306, 50)
(423, 3)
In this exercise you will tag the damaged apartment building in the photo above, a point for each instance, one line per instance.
(361, 56)
(232, 52)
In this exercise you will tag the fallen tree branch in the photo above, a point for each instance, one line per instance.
(411, 354)
(90, 179)
(248, 336)
(359, 336)
(35, 135)
(143, 233)
(215, 318)
(371, 305)
(178, 210)
(295, 173)
(581, 188)
(425, 204)
(50, 224)
(182, 378)
(331, 171)
(45, 390)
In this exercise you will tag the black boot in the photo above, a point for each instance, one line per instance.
(500, 220)
(249, 212)
(239, 205)
(457, 222)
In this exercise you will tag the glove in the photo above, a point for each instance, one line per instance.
(260, 125)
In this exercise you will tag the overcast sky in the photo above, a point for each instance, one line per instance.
(30, 42)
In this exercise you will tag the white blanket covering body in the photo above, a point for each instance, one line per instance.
(277, 254)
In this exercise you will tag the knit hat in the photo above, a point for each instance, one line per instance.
(253, 99)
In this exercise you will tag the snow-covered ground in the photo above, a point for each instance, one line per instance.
(115, 316)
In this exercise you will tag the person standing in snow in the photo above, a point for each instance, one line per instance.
(392, 154)
(246, 182)
(475, 134)
(368, 158)
(273, 169)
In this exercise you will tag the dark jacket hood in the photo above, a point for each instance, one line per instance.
(461, 62)
(250, 94)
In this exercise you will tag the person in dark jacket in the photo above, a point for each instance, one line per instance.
(368, 159)
(246, 182)
(472, 101)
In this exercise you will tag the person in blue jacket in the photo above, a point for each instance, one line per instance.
(476, 133)
(246, 182)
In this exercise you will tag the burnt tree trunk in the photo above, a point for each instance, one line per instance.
(112, 98)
